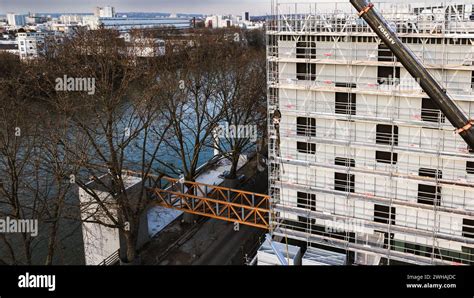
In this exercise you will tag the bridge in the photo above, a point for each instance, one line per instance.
(213, 201)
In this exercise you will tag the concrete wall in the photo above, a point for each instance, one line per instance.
(100, 241)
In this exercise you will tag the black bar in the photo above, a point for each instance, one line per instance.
(414, 66)
(289, 281)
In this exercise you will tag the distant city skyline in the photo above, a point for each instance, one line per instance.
(236, 7)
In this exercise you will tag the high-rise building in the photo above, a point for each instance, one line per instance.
(362, 162)
(107, 12)
(15, 19)
(97, 11)
(104, 12)
(246, 16)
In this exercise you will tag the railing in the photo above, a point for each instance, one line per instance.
(421, 140)
(111, 260)
(406, 194)
(212, 201)
(412, 113)
(325, 16)
(405, 85)
(405, 250)
(453, 55)
(404, 165)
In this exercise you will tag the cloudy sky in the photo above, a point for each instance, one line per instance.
(256, 7)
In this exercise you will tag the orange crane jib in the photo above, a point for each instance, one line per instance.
(213, 201)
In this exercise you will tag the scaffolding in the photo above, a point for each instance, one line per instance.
(358, 139)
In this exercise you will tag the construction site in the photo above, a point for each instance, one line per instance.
(366, 169)
(370, 109)
(333, 143)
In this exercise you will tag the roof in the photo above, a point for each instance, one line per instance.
(8, 46)
(106, 184)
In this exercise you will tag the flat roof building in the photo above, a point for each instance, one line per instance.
(124, 24)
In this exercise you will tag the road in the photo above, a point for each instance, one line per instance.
(209, 241)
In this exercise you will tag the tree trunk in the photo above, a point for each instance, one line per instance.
(53, 234)
(131, 248)
(235, 164)
(27, 246)
(189, 218)
(52, 243)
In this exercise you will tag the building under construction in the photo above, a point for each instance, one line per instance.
(363, 163)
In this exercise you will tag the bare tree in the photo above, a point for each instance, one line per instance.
(241, 94)
(188, 78)
(112, 127)
(32, 169)
(141, 112)
(16, 155)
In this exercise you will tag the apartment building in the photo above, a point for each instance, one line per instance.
(30, 44)
(362, 162)
(16, 20)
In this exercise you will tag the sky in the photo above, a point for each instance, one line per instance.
(236, 7)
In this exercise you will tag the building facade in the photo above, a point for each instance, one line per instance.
(16, 20)
(104, 12)
(107, 12)
(126, 24)
(70, 19)
(362, 162)
(30, 44)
